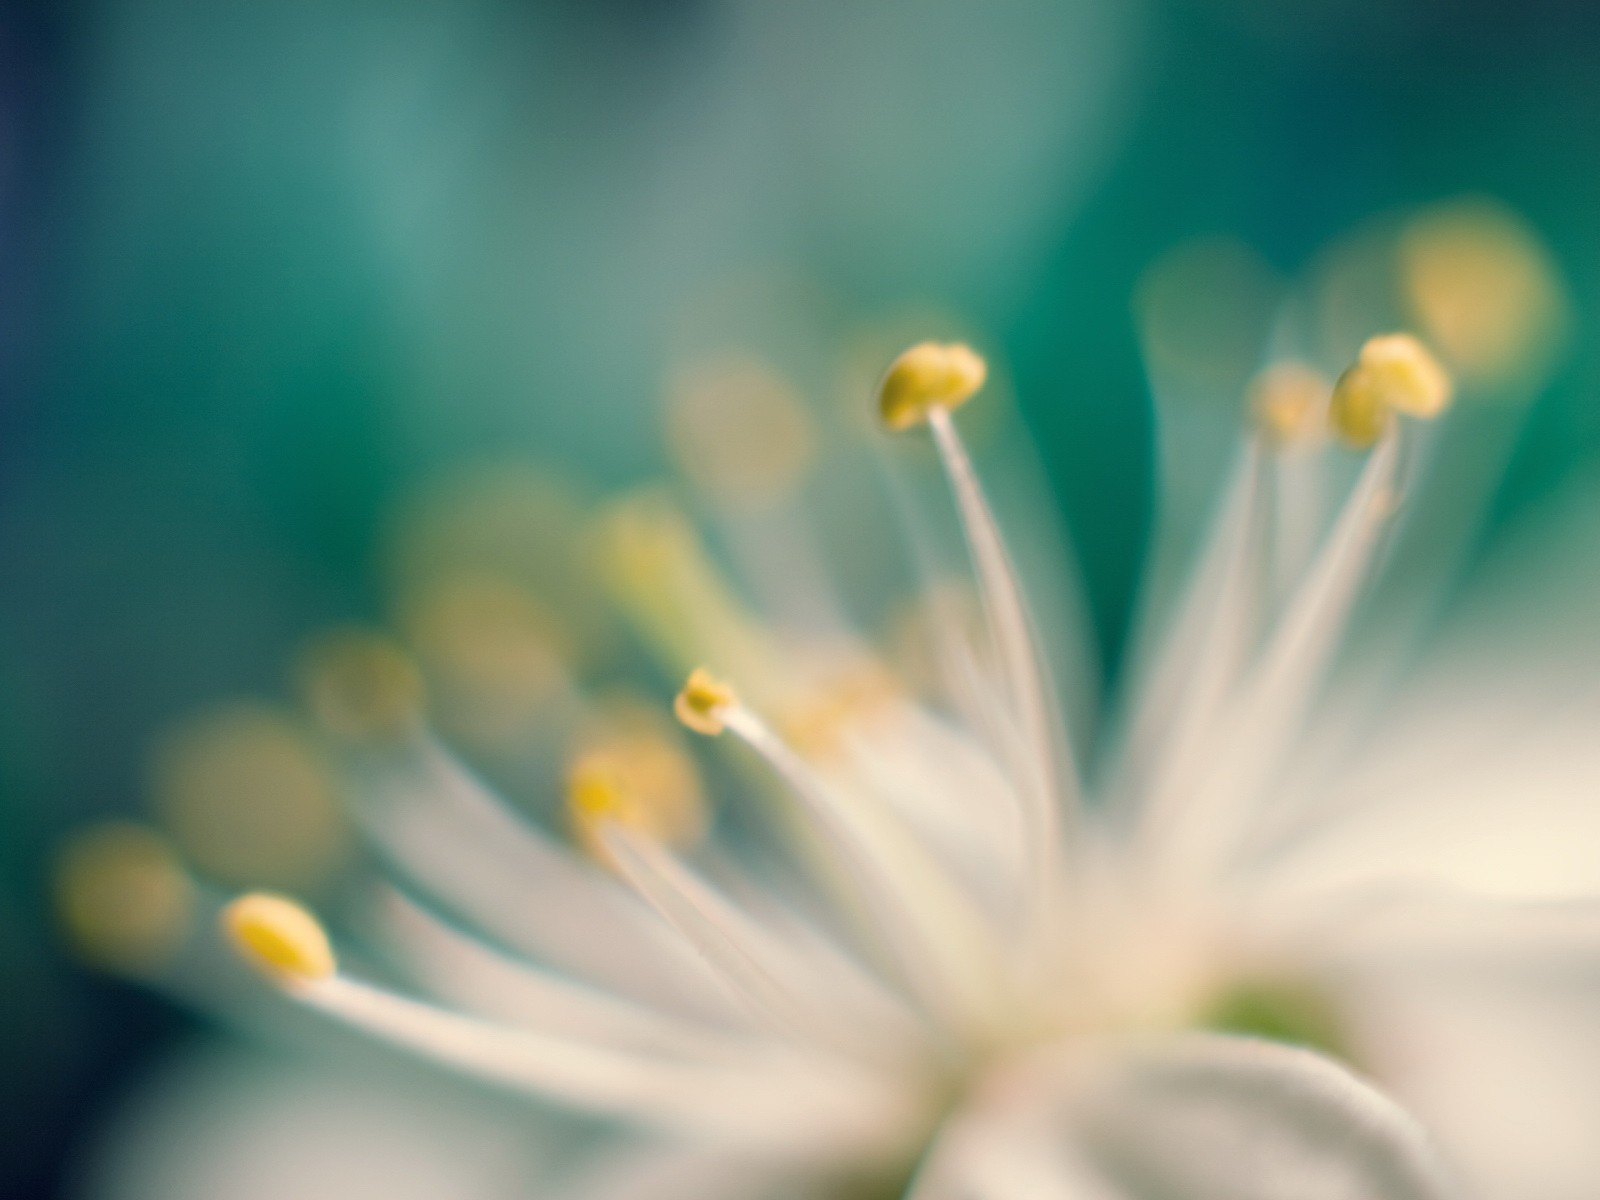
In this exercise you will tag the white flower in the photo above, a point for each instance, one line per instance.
(1234, 966)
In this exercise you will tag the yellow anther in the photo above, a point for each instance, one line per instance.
(816, 724)
(1395, 373)
(279, 938)
(1287, 402)
(738, 429)
(492, 654)
(122, 897)
(702, 701)
(644, 784)
(1414, 382)
(248, 797)
(361, 686)
(929, 375)
(1483, 287)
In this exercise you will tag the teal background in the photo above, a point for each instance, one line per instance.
(266, 266)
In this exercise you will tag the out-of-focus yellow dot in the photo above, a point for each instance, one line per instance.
(488, 647)
(631, 768)
(817, 721)
(921, 626)
(513, 524)
(1482, 287)
(247, 796)
(737, 429)
(122, 897)
(1287, 401)
(361, 686)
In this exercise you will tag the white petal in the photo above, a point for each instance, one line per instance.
(221, 1121)
(1209, 1117)
(1502, 1070)
(650, 1172)
(1189, 1117)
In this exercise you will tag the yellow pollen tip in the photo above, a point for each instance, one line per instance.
(123, 897)
(279, 938)
(929, 375)
(1287, 402)
(701, 702)
(361, 686)
(1394, 373)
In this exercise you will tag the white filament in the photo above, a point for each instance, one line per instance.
(1203, 818)
(1200, 659)
(784, 1103)
(1044, 789)
(477, 978)
(752, 964)
(922, 921)
(442, 828)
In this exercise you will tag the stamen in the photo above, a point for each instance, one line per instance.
(1198, 663)
(248, 796)
(641, 782)
(753, 965)
(662, 575)
(1034, 762)
(493, 653)
(472, 975)
(361, 687)
(1210, 811)
(1287, 403)
(929, 377)
(279, 938)
(777, 1102)
(922, 922)
(1484, 288)
(123, 898)
(1394, 374)
(440, 827)
(738, 430)
(702, 701)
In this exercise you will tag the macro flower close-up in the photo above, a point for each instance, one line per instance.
(588, 621)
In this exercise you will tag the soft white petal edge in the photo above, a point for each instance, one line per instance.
(1190, 1117)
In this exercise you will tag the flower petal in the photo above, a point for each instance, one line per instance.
(679, 1173)
(1191, 1117)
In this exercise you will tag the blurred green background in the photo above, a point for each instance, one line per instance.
(266, 267)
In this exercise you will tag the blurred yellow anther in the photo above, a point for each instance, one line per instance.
(278, 937)
(248, 797)
(1483, 287)
(1395, 373)
(122, 897)
(1287, 402)
(817, 723)
(738, 430)
(492, 654)
(701, 702)
(929, 375)
(638, 780)
(361, 686)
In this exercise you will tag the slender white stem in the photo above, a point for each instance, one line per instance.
(920, 919)
(475, 977)
(749, 962)
(768, 1102)
(1199, 662)
(1204, 819)
(1045, 772)
(433, 819)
